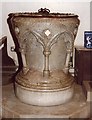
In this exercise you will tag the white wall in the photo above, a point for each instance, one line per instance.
(80, 8)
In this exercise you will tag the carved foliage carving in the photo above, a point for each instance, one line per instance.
(68, 39)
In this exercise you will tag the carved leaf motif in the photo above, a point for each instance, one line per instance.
(39, 38)
(69, 40)
(66, 34)
(54, 39)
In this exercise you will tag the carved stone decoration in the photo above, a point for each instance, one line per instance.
(46, 43)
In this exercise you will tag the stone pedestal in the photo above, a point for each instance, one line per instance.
(13, 108)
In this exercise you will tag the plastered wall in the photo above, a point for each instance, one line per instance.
(82, 9)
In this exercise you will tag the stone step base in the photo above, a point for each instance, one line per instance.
(78, 107)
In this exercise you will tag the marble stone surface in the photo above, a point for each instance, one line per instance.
(78, 107)
(44, 98)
